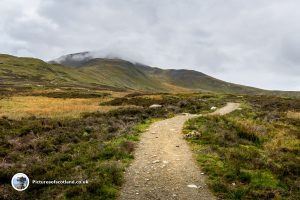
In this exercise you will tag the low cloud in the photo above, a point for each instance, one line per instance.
(248, 42)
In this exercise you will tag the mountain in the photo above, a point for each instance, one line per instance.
(83, 70)
(120, 73)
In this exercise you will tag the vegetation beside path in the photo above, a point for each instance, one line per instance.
(252, 153)
(94, 146)
(98, 145)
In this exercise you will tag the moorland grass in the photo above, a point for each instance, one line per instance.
(96, 146)
(251, 153)
(17, 107)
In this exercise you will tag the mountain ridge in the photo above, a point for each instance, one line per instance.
(184, 78)
(81, 69)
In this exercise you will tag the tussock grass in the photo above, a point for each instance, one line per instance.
(18, 107)
(294, 115)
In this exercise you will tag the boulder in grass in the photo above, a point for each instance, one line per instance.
(155, 106)
(193, 134)
(213, 108)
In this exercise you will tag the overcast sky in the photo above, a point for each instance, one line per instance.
(255, 42)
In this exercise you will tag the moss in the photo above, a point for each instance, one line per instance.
(261, 178)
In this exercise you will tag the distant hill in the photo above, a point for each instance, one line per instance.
(81, 69)
(121, 73)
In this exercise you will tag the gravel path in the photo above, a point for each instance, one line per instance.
(226, 109)
(163, 167)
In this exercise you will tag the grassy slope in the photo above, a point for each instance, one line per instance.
(14, 70)
(30, 70)
(201, 82)
(116, 73)
(168, 80)
(120, 74)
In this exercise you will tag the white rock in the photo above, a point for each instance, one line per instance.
(192, 186)
(213, 108)
(202, 173)
(155, 106)
(192, 134)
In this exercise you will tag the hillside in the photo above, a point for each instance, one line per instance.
(152, 78)
(84, 71)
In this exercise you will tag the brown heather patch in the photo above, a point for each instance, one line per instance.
(156, 97)
(294, 115)
(176, 89)
(24, 106)
(283, 140)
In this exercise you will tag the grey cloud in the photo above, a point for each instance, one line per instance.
(289, 55)
(235, 40)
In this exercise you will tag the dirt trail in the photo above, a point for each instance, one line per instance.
(226, 109)
(163, 167)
